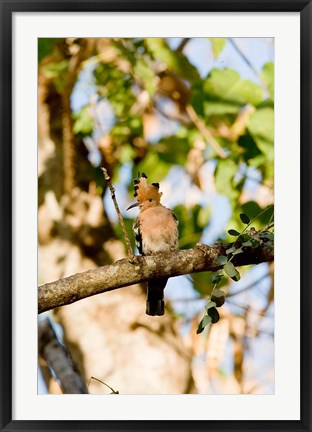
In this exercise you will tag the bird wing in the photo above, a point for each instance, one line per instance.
(138, 235)
(175, 218)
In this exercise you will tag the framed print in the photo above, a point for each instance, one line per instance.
(147, 151)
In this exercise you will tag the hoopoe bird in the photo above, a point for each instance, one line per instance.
(156, 230)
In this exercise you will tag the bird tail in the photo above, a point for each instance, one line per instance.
(155, 304)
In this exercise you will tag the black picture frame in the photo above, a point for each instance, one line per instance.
(8, 7)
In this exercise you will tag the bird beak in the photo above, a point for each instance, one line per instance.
(133, 205)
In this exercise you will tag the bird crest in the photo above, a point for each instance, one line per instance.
(144, 191)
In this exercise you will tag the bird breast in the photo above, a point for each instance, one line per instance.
(159, 230)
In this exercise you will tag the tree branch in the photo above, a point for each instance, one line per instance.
(127, 272)
(198, 122)
(182, 44)
(58, 360)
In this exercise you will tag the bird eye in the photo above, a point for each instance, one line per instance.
(150, 200)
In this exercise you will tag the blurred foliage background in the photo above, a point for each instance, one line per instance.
(197, 116)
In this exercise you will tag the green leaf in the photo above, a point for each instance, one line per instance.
(244, 238)
(267, 235)
(218, 300)
(127, 154)
(216, 277)
(255, 243)
(218, 293)
(197, 97)
(189, 228)
(230, 250)
(244, 218)
(254, 211)
(206, 320)
(231, 271)
(45, 46)
(221, 82)
(261, 127)
(226, 84)
(200, 328)
(223, 92)
(250, 149)
(173, 150)
(55, 70)
(247, 243)
(219, 108)
(145, 75)
(267, 75)
(175, 61)
(218, 297)
(214, 314)
(224, 175)
(152, 165)
(236, 278)
(221, 259)
(217, 45)
(203, 323)
(210, 304)
(203, 216)
(83, 121)
(233, 232)
(238, 251)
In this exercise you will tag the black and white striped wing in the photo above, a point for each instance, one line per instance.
(175, 218)
(138, 235)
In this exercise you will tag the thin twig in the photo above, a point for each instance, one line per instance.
(244, 307)
(248, 287)
(182, 44)
(247, 61)
(205, 131)
(230, 301)
(102, 382)
(231, 294)
(123, 227)
(267, 227)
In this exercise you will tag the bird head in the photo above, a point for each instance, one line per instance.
(147, 195)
